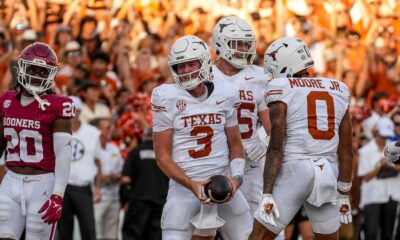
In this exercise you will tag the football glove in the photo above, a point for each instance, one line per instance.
(256, 151)
(345, 209)
(52, 209)
(268, 209)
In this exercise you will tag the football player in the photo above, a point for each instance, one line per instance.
(235, 44)
(35, 135)
(310, 127)
(196, 136)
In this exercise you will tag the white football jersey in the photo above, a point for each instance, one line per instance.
(315, 108)
(252, 83)
(199, 145)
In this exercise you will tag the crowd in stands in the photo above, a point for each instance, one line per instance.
(113, 53)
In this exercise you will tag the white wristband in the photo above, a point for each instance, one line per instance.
(237, 166)
(343, 186)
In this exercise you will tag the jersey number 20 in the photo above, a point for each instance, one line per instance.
(21, 139)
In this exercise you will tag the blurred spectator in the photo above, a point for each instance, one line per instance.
(145, 188)
(85, 172)
(107, 210)
(378, 192)
(91, 107)
(61, 39)
(106, 79)
(377, 111)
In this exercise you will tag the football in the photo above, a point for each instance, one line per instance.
(219, 189)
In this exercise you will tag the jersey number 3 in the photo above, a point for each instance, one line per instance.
(312, 98)
(204, 140)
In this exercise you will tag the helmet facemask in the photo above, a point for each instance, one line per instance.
(234, 41)
(36, 77)
(191, 80)
(237, 57)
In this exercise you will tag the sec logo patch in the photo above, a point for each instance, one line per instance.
(181, 105)
(7, 103)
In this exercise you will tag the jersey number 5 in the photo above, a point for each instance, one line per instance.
(204, 140)
(246, 120)
(312, 98)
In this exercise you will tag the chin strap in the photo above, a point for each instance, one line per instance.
(42, 103)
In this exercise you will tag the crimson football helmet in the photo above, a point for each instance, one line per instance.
(37, 67)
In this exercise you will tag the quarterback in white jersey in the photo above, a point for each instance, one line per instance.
(310, 128)
(196, 136)
(235, 44)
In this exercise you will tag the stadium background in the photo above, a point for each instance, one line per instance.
(122, 46)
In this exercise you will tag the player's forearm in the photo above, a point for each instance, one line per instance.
(173, 171)
(346, 168)
(271, 169)
(234, 142)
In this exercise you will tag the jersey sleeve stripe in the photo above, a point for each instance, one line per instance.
(157, 108)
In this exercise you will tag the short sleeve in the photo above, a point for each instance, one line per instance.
(64, 107)
(261, 105)
(234, 103)
(276, 91)
(161, 118)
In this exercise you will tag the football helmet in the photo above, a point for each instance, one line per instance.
(227, 34)
(286, 57)
(37, 67)
(185, 49)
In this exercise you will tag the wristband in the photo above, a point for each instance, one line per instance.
(240, 178)
(343, 186)
(237, 166)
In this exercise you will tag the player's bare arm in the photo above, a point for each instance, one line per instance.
(345, 150)
(163, 150)
(263, 117)
(274, 156)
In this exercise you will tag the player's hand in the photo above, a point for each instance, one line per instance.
(197, 189)
(345, 209)
(268, 209)
(234, 182)
(52, 209)
(256, 151)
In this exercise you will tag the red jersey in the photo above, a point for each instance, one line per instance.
(29, 130)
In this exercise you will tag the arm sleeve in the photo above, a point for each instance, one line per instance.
(63, 152)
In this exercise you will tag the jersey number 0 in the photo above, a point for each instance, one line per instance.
(312, 98)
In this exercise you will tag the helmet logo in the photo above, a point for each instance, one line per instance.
(223, 25)
(273, 53)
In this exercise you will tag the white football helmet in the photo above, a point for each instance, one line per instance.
(286, 57)
(227, 34)
(185, 49)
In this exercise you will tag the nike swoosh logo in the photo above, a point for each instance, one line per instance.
(253, 166)
(248, 78)
(219, 102)
(316, 160)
